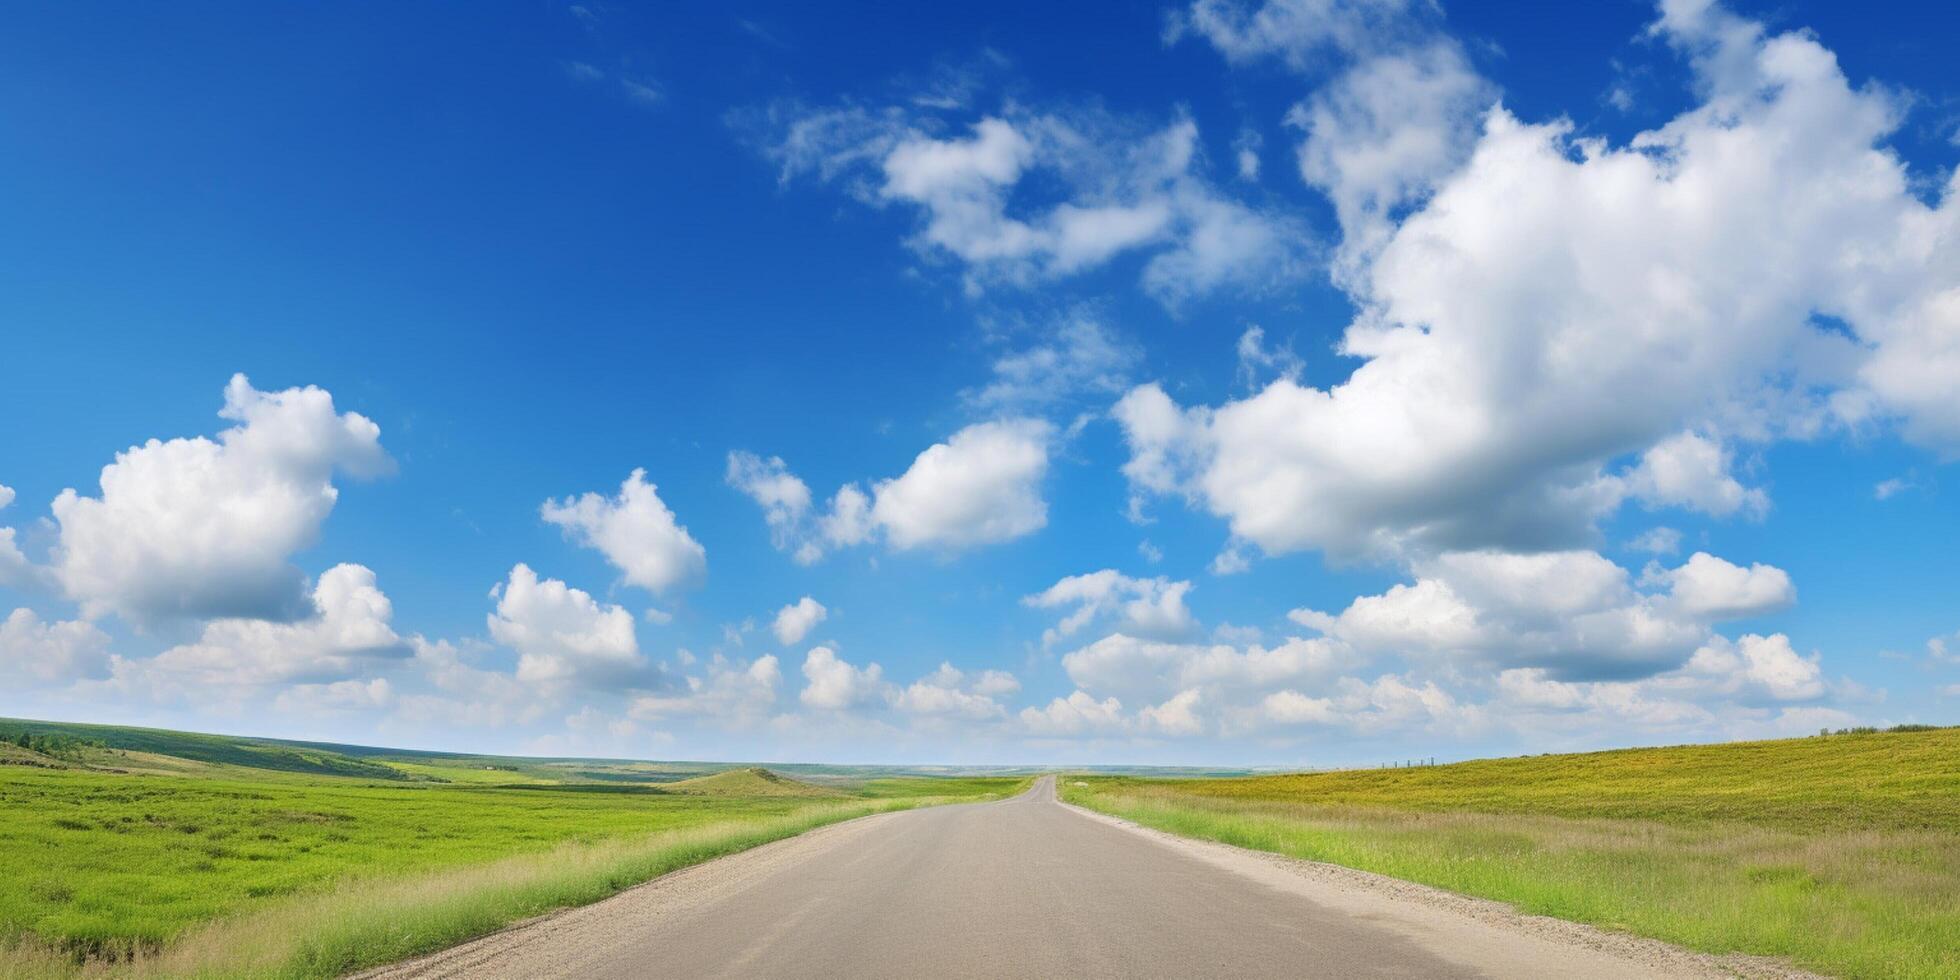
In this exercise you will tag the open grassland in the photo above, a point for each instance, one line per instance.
(130, 862)
(1839, 853)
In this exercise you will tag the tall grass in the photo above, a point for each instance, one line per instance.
(360, 923)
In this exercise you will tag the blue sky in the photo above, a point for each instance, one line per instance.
(1307, 383)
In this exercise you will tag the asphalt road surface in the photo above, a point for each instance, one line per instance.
(1020, 888)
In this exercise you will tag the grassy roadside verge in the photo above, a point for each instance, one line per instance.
(1874, 895)
(367, 922)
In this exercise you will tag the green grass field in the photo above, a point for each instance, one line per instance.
(265, 859)
(1838, 853)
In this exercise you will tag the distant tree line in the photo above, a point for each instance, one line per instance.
(1869, 730)
(48, 744)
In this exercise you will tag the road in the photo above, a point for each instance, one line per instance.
(1025, 887)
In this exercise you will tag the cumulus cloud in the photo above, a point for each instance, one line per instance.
(1746, 686)
(348, 633)
(1692, 471)
(634, 530)
(981, 486)
(1147, 670)
(1712, 588)
(1764, 666)
(1574, 614)
(796, 620)
(1026, 196)
(1558, 305)
(1386, 704)
(952, 693)
(1141, 607)
(1077, 714)
(1382, 134)
(1177, 716)
(562, 634)
(205, 528)
(834, 684)
(52, 653)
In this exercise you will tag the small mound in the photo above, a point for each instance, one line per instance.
(14, 755)
(753, 781)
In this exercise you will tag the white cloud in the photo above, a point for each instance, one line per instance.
(1692, 471)
(979, 487)
(1940, 650)
(734, 692)
(1738, 688)
(1767, 665)
(1079, 357)
(1657, 541)
(1559, 305)
(1709, 587)
(849, 520)
(635, 531)
(1077, 714)
(1300, 32)
(203, 528)
(1230, 561)
(1389, 703)
(834, 684)
(348, 633)
(1177, 716)
(796, 620)
(1245, 150)
(1535, 645)
(468, 696)
(952, 693)
(16, 571)
(1383, 133)
(52, 653)
(1146, 670)
(562, 634)
(1026, 196)
(1256, 360)
(1574, 613)
(784, 499)
(1148, 607)
(1887, 489)
(1398, 114)
(339, 697)
(995, 683)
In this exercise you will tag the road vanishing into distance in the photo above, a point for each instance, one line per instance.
(1029, 887)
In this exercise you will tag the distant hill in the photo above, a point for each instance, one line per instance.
(1905, 778)
(751, 781)
(82, 744)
